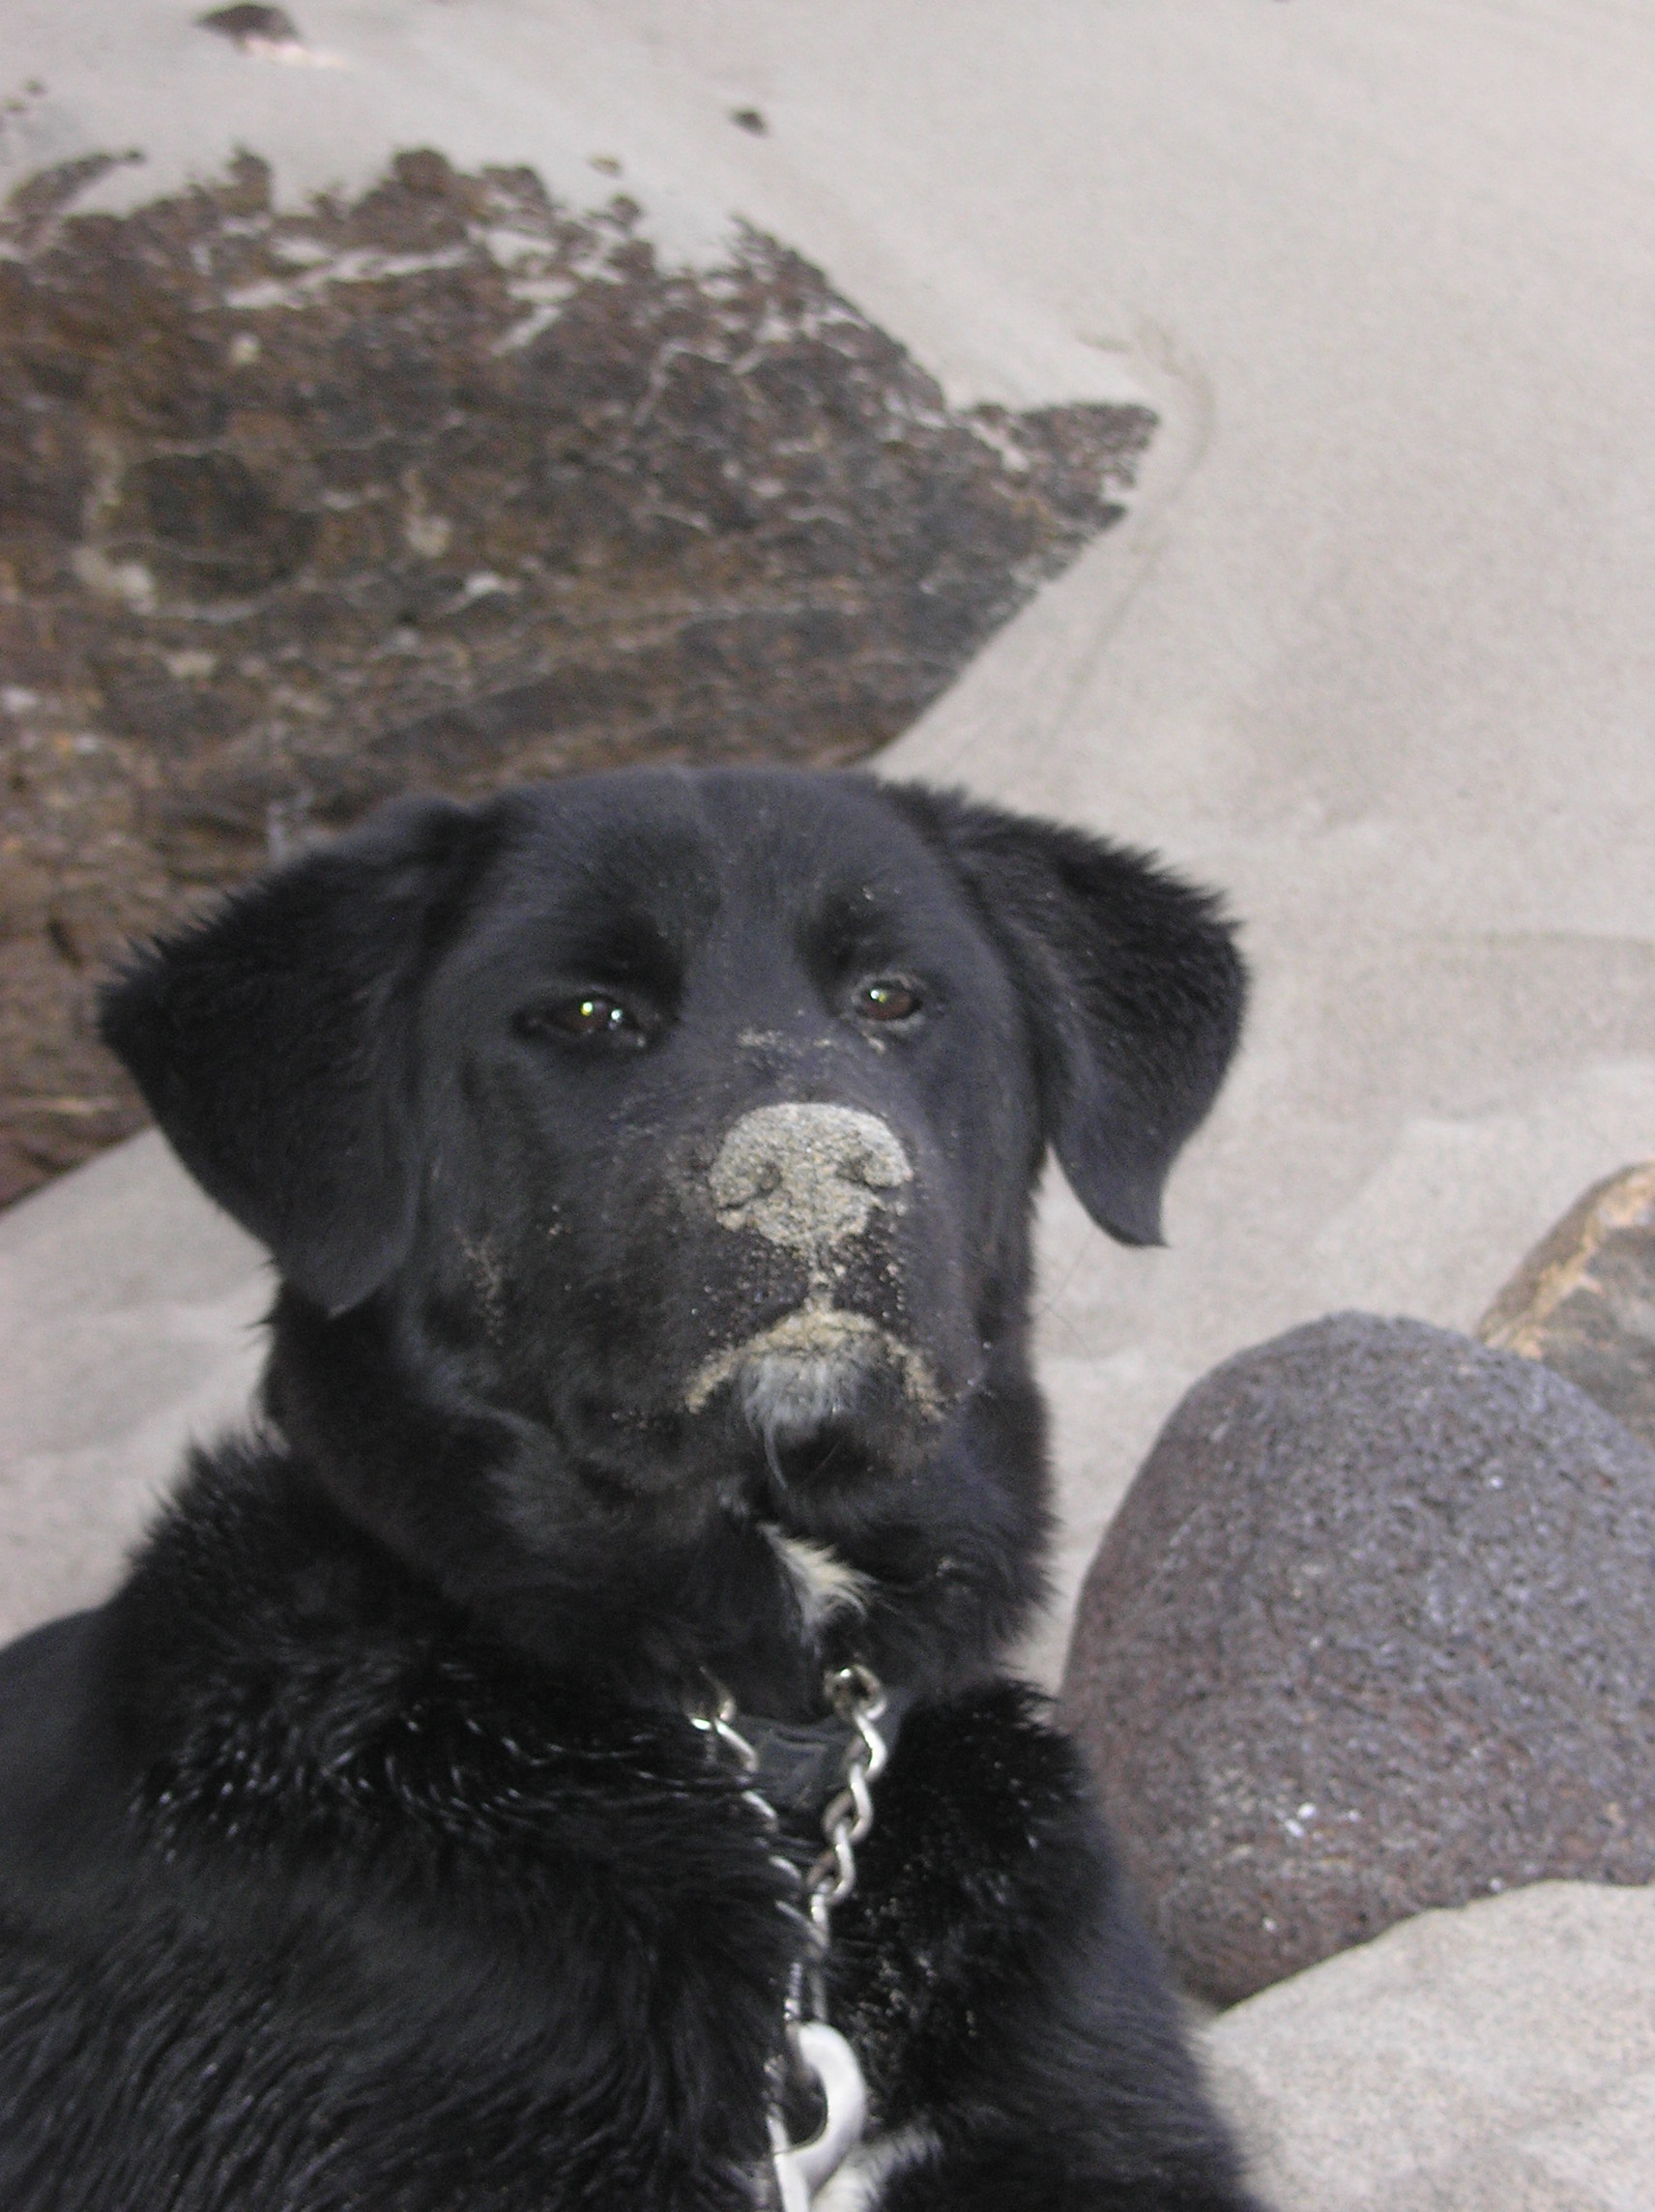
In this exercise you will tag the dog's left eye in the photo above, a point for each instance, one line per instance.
(887, 998)
(593, 1014)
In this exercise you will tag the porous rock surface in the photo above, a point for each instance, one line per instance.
(1584, 1299)
(443, 486)
(1370, 1634)
(1497, 2058)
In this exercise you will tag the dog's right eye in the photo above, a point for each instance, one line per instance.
(589, 1015)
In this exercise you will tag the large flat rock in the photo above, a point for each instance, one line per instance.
(1497, 2058)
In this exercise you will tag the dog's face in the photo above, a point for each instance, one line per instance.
(675, 1132)
(719, 1078)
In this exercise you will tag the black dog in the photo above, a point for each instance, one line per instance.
(647, 1161)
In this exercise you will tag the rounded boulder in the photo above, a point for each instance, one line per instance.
(1370, 1634)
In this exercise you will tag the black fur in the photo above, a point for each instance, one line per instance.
(359, 1852)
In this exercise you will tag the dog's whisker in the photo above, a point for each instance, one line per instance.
(772, 1460)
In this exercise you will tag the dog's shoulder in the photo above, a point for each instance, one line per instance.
(295, 1690)
(987, 1874)
(410, 1895)
(984, 1797)
(60, 1762)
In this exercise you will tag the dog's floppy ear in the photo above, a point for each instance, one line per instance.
(273, 1041)
(1132, 985)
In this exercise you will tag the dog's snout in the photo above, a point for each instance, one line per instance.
(804, 1175)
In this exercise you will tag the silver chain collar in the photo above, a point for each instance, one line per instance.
(813, 2051)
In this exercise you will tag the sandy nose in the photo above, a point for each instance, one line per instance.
(808, 1177)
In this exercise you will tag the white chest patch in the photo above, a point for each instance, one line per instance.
(823, 1582)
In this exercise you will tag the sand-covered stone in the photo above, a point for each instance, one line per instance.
(1371, 1633)
(445, 485)
(1584, 1299)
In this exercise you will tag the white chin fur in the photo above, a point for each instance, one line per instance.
(787, 1395)
(805, 1368)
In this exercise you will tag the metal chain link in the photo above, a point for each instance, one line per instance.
(811, 2053)
(718, 1726)
(856, 1695)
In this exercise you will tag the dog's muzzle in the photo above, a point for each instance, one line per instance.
(810, 1178)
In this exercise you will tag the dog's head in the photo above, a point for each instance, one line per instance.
(647, 1159)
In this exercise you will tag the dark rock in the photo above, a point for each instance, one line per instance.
(1584, 1299)
(1371, 1633)
(250, 20)
(446, 485)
